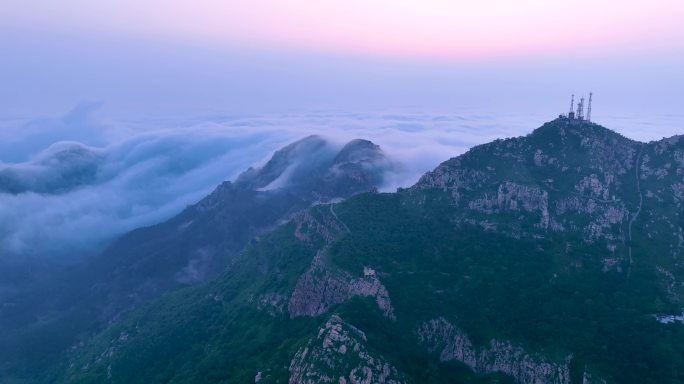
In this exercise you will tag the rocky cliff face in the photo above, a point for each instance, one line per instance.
(321, 288)
(338, 355)
(511, 196)
(563, 178)
(566, 179)
(450, 343)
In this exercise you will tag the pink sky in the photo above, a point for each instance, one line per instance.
(406, 28)
(263, 55)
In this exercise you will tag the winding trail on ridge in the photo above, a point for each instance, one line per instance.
(638, 211)
(337, 218)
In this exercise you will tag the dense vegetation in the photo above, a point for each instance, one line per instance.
(497, 287)
(548, 291)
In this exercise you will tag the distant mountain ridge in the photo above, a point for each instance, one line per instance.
(192, 247)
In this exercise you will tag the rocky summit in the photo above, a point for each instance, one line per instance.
(548, 258)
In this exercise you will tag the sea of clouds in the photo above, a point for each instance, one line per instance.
(68, 185)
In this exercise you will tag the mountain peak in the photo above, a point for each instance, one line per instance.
(563, 126)
(559, 147)
(318, 161)
(358, 150)
(283, 159)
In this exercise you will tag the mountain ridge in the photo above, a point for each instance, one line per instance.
(540, 258)
(191, 247)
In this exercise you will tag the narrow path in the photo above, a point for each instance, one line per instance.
(332, 210)
(638, 211)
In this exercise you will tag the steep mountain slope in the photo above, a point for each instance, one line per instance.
(197, 244)
(188, 249)
(539, 259)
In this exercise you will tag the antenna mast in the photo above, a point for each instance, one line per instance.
(572, 104)
(589, 109)
(580, 109)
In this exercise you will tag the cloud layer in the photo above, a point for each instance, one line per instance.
(69, 185)
(71, 198)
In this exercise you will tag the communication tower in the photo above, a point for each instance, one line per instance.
(589, 109)
(571, 114)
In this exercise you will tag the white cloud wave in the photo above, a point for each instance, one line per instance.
(144, 175)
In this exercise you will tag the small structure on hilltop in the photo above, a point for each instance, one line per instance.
(577, 115)
(368, 272)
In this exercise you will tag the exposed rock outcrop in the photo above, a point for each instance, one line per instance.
(511, 196)
(449, 176)
(514, 186)
(320, 288)
(440, 336)
(338, 355)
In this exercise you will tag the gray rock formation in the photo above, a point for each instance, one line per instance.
(320, 288)
(592, 169)
(451, 343)
(511, 196)
(338, 355)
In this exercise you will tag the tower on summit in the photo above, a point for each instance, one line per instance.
(571, 114)
(578, 114)
(589, 108)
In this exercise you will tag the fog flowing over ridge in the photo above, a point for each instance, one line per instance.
(70, 184)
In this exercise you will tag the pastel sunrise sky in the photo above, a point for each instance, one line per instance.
(173, 97)
(163, 56)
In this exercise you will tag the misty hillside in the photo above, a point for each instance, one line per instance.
(62, 168)
(550, 258)
(341, 192)
(39, 321)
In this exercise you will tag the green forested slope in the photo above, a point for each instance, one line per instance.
(512, 263)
